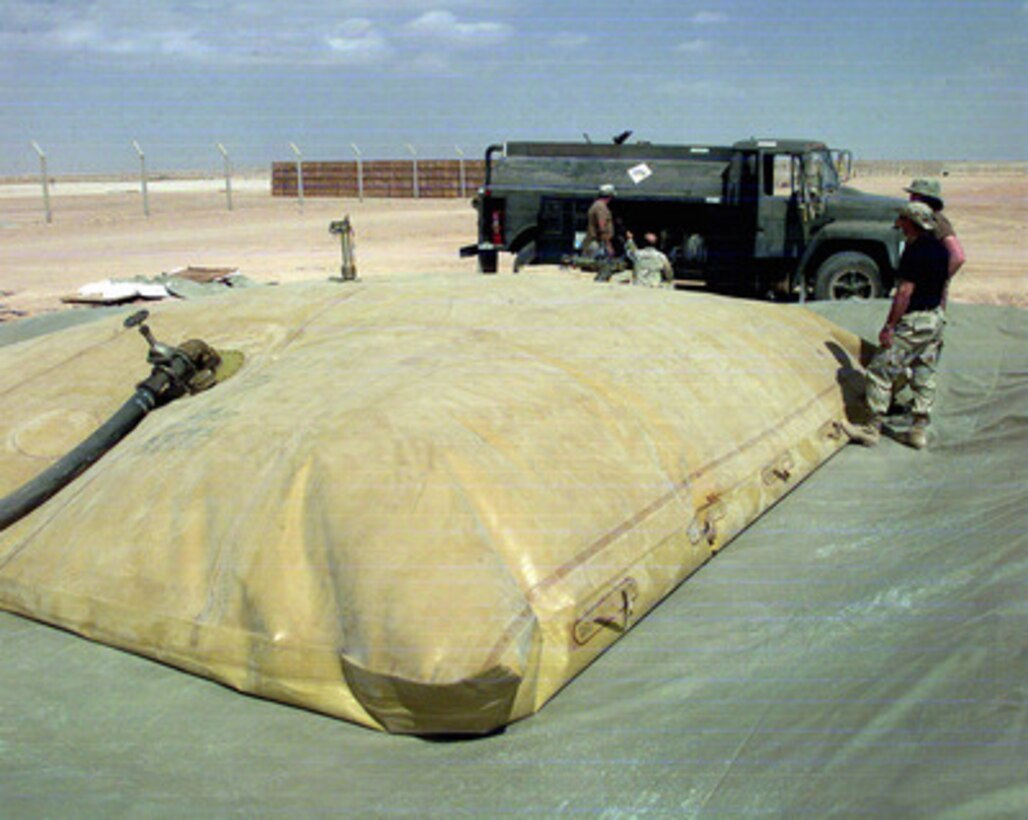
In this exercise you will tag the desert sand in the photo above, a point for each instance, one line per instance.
(99, 231)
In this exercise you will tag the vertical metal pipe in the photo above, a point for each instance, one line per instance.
(360, 172)
(299, 173)
(349, 269)
(142, 178)
(46, 181)
(414, 169)
(228, 175)
(460, 169)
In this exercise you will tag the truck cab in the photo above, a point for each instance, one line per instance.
(760, 216)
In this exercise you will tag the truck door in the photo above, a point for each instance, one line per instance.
(560, 218)
(780, 227)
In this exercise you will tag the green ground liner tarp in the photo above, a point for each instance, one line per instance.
(860, 648)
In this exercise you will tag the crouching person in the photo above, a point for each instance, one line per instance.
(912, 334)
(650, 267)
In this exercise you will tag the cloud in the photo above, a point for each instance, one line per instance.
(706, 18)
(249, 32)
(392, 6)
(693, 47)
(568, 40)
(88, 35)
(444, 27)
(80, 35)
(701, 90)
(103, 27)
(358, 42)
(431, 63)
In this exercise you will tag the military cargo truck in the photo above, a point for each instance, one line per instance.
(763, 216)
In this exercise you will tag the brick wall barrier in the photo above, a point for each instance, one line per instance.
(381, 178)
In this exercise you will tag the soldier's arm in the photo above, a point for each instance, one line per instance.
(631, 250)
(666, 271)
(956, 260)
(956, 254)
(900, 303)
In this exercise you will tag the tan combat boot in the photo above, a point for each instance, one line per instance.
(868, 434)
(918, 435)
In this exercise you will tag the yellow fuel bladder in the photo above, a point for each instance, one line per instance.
(421, 505)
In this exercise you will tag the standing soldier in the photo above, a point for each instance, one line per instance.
(599, 237)
(912, 334)
(929, 191)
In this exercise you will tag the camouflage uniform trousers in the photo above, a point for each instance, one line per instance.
(595, 254)
(916, 344)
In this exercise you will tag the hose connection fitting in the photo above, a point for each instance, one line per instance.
(189, 368)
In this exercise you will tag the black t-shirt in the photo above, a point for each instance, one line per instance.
(925, 262)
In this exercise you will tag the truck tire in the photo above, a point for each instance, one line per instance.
(525, 256)
(487, 261)
(848, 275)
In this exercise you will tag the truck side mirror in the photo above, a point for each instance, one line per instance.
(843, 161)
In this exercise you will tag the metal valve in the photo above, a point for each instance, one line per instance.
(160, 353)
(344, 230)
(188, 368)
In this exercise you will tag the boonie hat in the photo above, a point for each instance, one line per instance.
(920, 214)
(925, 187)
(607, 190)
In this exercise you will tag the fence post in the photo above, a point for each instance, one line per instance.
(46, 181)
(299, 173)
(360, 172)
(228, 175)
(414, 168)
(460, 169)
(142, 178)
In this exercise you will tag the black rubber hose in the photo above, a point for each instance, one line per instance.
(49, 482)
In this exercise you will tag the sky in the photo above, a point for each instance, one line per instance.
(904, 79)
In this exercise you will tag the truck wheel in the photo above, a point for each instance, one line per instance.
(848, 275)
(487, 261)
(525, 256)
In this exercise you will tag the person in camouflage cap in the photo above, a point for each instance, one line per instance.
(929, 191)
(912, 335)
(923, 189)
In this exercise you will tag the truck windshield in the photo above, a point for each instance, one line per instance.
(819, 164)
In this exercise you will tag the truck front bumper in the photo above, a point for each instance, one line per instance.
(474, 250)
